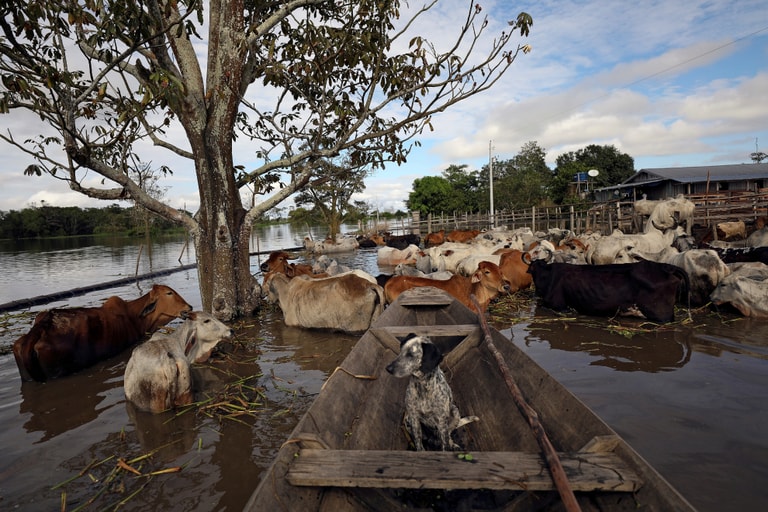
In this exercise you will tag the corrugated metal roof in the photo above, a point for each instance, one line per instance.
(736, 172)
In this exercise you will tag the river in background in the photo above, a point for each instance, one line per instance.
(689, 397)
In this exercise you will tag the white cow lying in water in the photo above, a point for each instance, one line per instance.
(158, 377)
(746, 289)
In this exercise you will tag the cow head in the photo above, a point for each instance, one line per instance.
(203, 332)
(544, 250)
(277, 262)
(163, 304)
(489, 274)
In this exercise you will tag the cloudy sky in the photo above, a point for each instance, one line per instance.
(669, 83)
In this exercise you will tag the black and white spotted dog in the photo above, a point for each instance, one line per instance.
(428, 398)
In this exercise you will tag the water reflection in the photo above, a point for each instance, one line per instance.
(166, 435)
(638, 352)
(741, 335)
(72, 401)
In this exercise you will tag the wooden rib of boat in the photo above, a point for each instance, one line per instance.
(350, 450)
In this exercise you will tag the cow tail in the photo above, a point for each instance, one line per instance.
(381, 302)
(686, 286)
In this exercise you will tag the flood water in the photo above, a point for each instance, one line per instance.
(690, 397)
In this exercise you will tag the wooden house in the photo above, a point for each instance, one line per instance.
(664, 182)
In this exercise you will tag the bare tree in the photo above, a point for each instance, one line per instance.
(303, 80)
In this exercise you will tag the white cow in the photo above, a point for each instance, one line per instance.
(519, 238)
(546, 250)
(410, 270)
(734, 229)
(645, 206)
(704, 267)
(391, 256)
(447, 256)
(325, 265)
(346, 302)
(608, 249)
(468, 265)
(343, 244)
(746, 289)
(158, 377)
(669, 213)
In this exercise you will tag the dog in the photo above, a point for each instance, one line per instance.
(428, 398)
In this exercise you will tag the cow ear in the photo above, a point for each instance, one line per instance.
(431, 357)
(290, 270)
(526, 257)
(150, 307)
(190, 342)
(476, 277)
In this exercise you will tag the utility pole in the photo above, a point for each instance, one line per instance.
(490, 174)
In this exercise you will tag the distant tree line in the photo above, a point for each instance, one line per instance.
(53, 221)
(521, 182)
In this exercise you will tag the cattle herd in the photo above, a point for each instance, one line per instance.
(645, 274)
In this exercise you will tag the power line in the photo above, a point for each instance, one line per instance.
(679, 64)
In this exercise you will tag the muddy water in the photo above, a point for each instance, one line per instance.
(690, 397)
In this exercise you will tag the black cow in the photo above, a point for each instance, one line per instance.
(601, 290)
(402, 241)
(742, 254)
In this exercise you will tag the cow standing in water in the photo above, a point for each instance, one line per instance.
(646, 288)
(64, 341)
(158, 375)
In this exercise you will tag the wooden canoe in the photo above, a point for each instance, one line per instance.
(350, 450)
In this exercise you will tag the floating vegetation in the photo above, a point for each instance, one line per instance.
(111, 479)
(511, 309)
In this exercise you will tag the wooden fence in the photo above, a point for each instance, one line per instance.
(711, 209)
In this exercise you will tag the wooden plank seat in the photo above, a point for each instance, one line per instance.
(586, 471)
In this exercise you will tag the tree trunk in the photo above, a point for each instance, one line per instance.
(227, 287)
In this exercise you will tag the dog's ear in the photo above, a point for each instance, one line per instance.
(431, 357)
(410, 336)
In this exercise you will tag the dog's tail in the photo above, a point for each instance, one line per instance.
(466, 420)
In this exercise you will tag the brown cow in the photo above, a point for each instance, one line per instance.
(463, 236)
(485, 284)
(278, 262)
(515, 270)
(64, 341)
(434, 238)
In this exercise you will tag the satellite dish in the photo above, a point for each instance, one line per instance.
(593, 172)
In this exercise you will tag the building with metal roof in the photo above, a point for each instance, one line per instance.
(664, 182)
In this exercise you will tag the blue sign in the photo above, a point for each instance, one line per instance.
(581, 176)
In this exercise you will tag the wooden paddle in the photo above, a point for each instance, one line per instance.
(550, 455)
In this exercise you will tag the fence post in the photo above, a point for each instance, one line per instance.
(533, 219)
